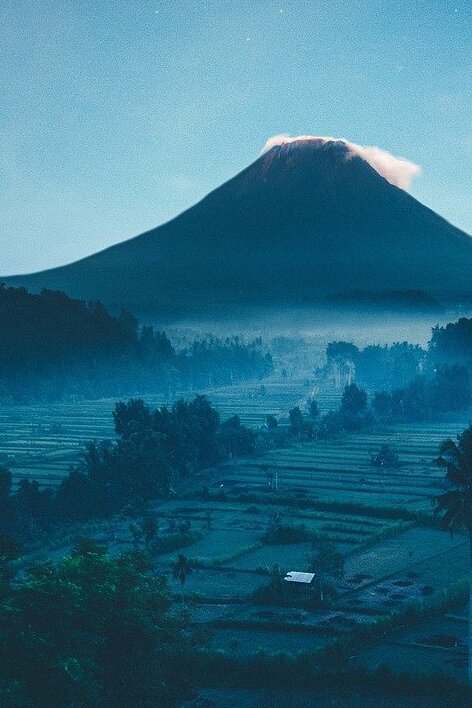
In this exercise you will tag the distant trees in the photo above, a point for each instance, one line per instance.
(417, 385)
(271, 422)
(300, 428)
(374, 366)
(450, 389)
(216, 362)
(452, 343)
(353, 413)
(181, 569)
(341, 351)
(426, 398)
(386, 457)
(341, 360)
(353, 401)
(395, 366)
(389, 366)
(276, 582)
(327, 564)
(54, 347)
(280, 533)
(235, 439)
(296, 420)
(313, 409)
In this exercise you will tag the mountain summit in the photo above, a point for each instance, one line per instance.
(309, 220)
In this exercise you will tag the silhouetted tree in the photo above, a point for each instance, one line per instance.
(455, 505)
(181, 570)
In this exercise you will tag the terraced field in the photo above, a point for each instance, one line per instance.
(341, 470)
(42, 441)
(388, 562)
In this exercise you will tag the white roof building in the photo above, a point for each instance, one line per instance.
(294, 576)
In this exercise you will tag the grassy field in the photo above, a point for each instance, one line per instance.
(389, 563)
(330, 488)
(42, 441)
(340, 470)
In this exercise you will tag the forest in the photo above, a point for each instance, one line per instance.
(55, 348)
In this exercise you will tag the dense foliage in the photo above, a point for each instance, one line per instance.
(426, 399)
(452, 343)
(397, 365)
(90, 631)
(53, 347)
(374, 366)
(154, 450)
(411, 384)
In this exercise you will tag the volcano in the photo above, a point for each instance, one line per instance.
(309, 221)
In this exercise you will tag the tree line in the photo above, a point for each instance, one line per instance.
(53, 347)
(420, 401)
(395, 366)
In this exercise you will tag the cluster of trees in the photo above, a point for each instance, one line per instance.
(374, 366)
(412, 384)
(395, 366)
(426, 398)
(452, 343)
(155, 449)
(53, 347)
(216, 362)
(91, 631)
(423, 399)
(353, 414)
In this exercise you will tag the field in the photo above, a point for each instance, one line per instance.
(379, 519)
(42, 441)
(331, 488)
(341, 470)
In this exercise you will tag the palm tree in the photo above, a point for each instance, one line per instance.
(181, 570)
(455, 505)
(276, 581)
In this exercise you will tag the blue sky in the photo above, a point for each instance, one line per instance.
(115, 116)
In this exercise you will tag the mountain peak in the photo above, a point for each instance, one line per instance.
(306, 151)
(396, 170)
(305, 143)
(310, 218)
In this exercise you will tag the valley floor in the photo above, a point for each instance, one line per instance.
(380, 520)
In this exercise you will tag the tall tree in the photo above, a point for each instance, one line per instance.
(327, 563)
(455, 504)
(181, 570)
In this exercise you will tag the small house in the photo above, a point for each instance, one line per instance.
(300, 583)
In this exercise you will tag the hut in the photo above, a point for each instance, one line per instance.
(300, 584)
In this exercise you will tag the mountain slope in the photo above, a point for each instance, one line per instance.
(306, 220)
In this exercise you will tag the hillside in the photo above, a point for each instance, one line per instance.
(304, 222)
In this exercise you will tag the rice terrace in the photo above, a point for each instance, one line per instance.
(400, 599)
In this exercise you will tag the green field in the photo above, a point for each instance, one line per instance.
(42, 441)
(340, 470)
(399, 562)
(329, 487)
